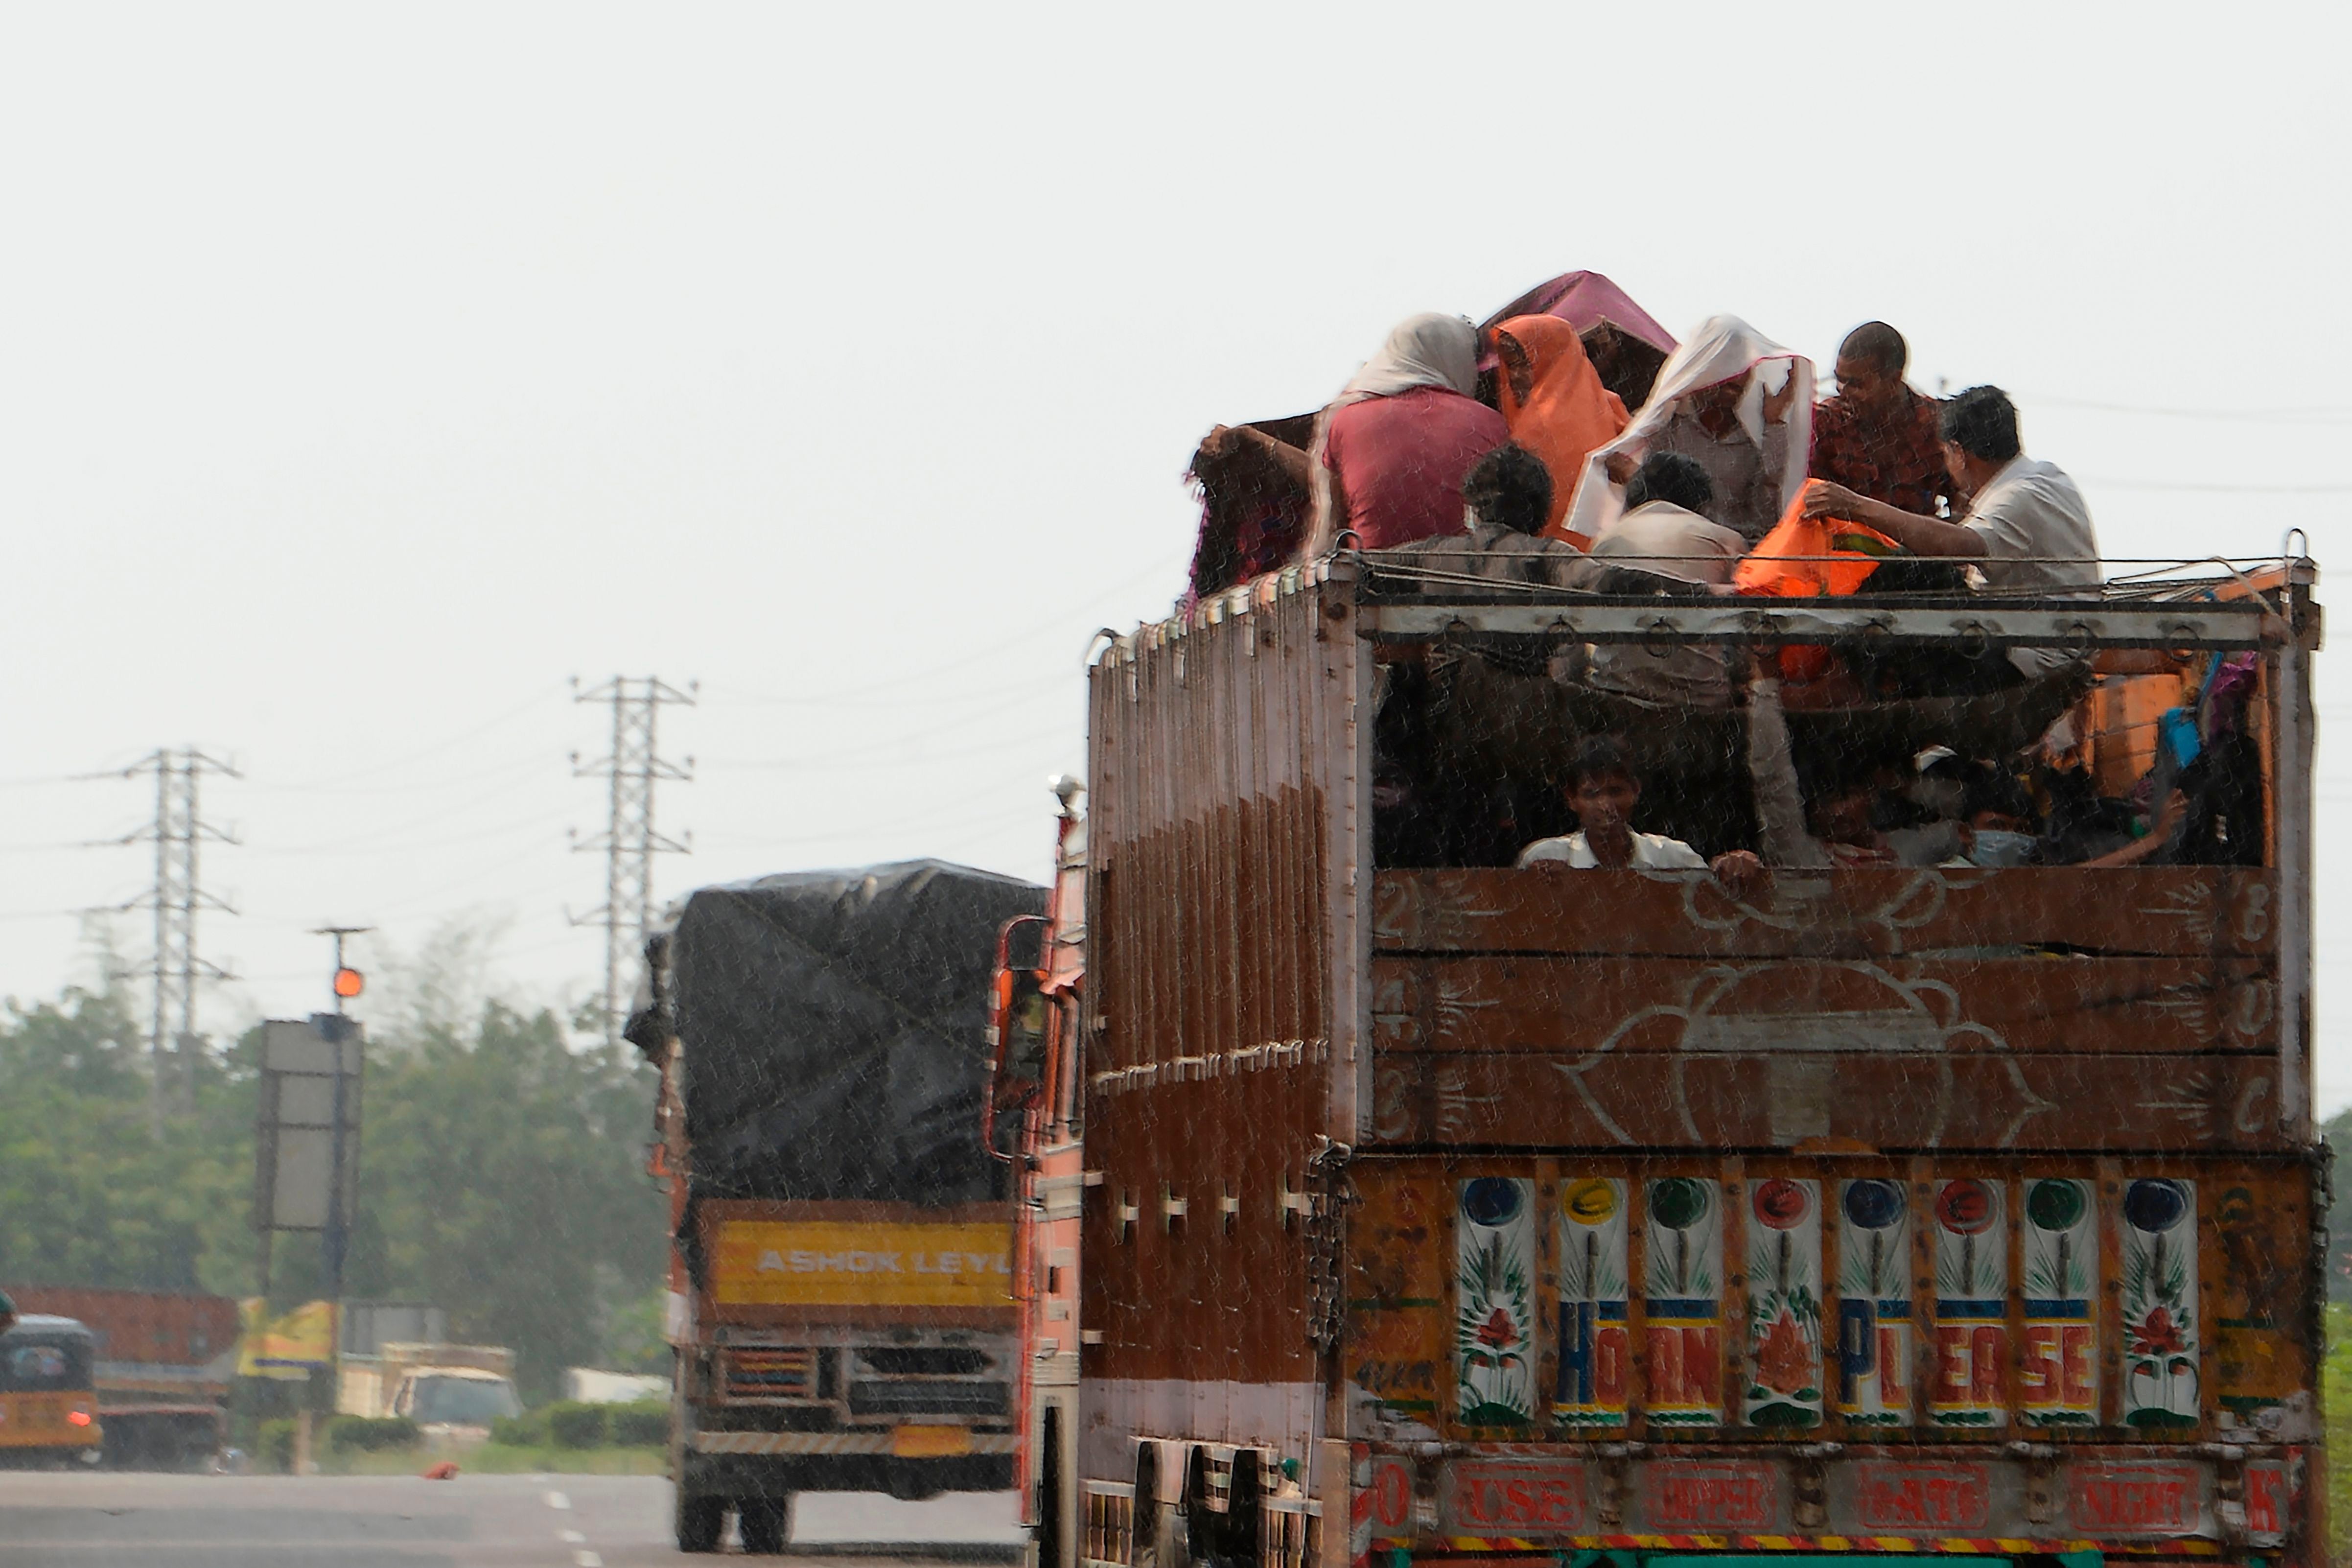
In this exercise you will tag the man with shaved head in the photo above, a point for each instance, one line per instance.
(1877, 437)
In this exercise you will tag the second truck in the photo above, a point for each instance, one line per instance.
(841, 1291)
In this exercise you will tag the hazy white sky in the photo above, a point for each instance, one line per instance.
(368, 372)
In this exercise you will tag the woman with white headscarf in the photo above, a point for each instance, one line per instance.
(1392, 450)
(1735, 402)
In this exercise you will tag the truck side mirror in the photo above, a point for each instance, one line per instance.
(1019, 1016)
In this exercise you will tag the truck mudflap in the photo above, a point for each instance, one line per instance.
(2198, 1504)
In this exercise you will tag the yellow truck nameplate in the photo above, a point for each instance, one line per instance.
(835, 1263)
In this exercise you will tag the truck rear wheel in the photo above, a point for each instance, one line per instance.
(766, 1523)
(701, 1521)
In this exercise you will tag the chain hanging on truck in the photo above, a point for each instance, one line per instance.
(1329, 1195)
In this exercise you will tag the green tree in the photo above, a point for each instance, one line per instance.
(89, 1194)
(503, 1182)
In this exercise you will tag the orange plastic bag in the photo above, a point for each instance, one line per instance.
(1842, 556)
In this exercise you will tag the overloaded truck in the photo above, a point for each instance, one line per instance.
(840, 1282)
(161, 1365)
(1399, 1205)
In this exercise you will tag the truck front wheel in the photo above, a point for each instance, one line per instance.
(701, 1521)
(766, 1523)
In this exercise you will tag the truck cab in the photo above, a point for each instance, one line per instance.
(842, 1286)
(455, 1404)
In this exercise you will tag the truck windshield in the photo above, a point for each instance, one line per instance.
(461, 1401)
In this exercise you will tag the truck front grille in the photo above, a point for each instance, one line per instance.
(770, 1375)
(922, 1360)
(906, 1397)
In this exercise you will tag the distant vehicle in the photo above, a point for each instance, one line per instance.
(586, 1386)
(163, 1361)
(453, 1392)
(48, 1407)
(841, 1276)
(455, 1403)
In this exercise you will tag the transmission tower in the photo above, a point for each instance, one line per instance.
(629, 841)
(178, 832)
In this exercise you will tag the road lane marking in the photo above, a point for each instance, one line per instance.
(588, 1560)
(557, 1499)
(571, 1538)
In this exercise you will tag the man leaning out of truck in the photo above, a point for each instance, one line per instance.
(2027, 530)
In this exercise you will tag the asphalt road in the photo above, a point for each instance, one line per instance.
(103, 1520)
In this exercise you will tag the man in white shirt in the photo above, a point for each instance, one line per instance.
(2027, 528)
(1666, 529)
(1602, 791)
(1665, 533)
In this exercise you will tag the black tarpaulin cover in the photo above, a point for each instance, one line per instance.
(833, 1024)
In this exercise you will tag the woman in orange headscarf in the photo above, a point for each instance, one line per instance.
(1552, 399)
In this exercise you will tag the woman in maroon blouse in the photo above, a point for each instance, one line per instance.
(1389, 453)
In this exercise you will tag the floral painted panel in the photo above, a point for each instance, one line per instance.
(1970, 1358)
(1494, 1302)
(2058, 1366)
(1784, 1303)
(1595, 1348)
(1683, 1301)
(1874, 1343)
(2159, 1265)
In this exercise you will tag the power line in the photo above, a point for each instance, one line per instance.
(629, 841)
(2228, 488)
(536, 759)
(459, 738)
(177, 895)
(2244, 415)
(932, 679)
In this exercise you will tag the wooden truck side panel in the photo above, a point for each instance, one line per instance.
(1224, 1002)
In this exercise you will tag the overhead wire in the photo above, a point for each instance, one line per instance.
(966, 658)
(2200, 487)
(827, 758)
(2244, 415)
(537, 759)
(460, 738)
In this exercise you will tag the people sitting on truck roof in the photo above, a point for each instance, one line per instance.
(1667, 530)
(1505, 502)
(1735, 401)
(1391, 452)
(1255, 504)
(1552, 399)
(1625, 343)
(1876, 436)
(1664, 543)
(1602, 790)
(2027, 528)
